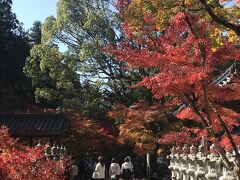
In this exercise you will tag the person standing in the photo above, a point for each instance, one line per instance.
(127, 169)
(114, 169)
(74, 171)
(99, 172)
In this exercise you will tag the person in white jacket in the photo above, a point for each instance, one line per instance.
(114, 169)
(99, 172)
(127, 169)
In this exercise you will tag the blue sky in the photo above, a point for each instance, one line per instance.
(28, 11)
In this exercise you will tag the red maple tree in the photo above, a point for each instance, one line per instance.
(140, 124)
(19, 162)
(89, 136)
(187, 69)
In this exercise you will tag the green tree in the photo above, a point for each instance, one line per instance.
(8, 21)
(52, 75)
(14, 49)
(85, 27)
(35, 33)
(56, 82)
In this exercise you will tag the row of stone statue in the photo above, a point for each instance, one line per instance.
(54, 151)
(192, 163)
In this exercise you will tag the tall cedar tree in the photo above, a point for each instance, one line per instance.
(187, 64)
(14, 50)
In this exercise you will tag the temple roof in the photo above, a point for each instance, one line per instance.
(36, 125)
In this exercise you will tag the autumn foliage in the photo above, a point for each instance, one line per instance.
(187, 63)
(89, 136)
(177, 138)
(140, 124)
(19, 162)
(223, 15)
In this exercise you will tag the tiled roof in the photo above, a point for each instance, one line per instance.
(44, 124)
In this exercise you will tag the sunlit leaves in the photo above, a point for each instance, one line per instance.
(177, 138)
(177, 54)
(139, 124)
(163, 11)
(52, 73)
(187, 60)
(23, 162)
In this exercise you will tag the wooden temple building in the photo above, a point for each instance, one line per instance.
(28, 127)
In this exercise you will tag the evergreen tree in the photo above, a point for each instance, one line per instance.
(14, 49)
(35, 34)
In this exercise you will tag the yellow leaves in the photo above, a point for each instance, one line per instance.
(162, 19)
(220, 35)
(163, 11)
(237, 2)
(232, 37)
(217, 36)
(135, 128)
(143, 139)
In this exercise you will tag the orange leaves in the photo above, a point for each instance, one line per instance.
(237, 2)
(187, 113)
(176, 138)
(231, 92)
(175, 53)
(91, 136)
(183, 53)
(228, 51)
(228, 116)
(226, 143)
(139, 112)
(134, 124)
